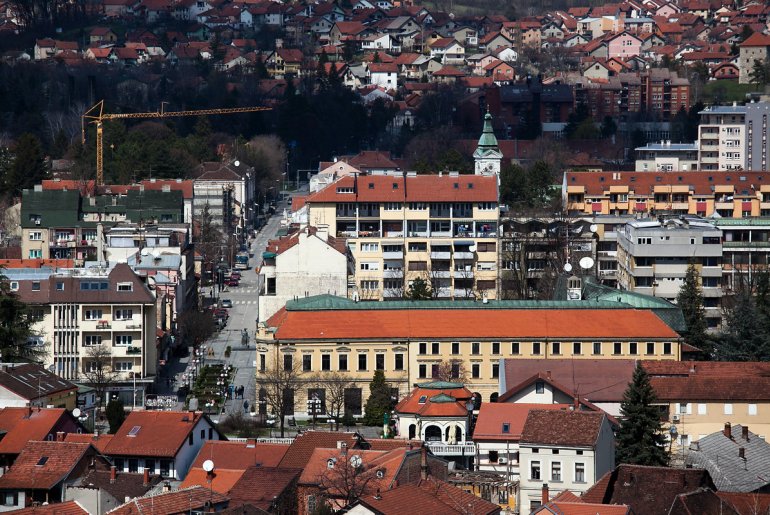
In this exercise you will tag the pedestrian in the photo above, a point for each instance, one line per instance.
(245, 406)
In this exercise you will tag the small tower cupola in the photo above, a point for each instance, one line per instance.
(487, 156)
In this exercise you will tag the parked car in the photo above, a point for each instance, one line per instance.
(222, 313)
(226, 303)
(232, 282)
(236, 276)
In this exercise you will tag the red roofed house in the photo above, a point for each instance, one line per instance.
(43, 470)
(448, 51)
(20, 425)
(324, 262)
(163, 442)
(571, 448)
(755, 48)
(383, 74)
(437, 412)
(196, 499)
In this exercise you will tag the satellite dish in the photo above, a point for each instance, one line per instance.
(145, 251)
(76, 413)
(593, 227)
(355, 461)
(208, 465)
(586, 263)
(567, 267)
(237, 163)
(472, 248)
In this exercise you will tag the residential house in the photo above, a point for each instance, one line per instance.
(437, 412)
(667, 157)
(48, 48)
(22, 425)
(500, 71)
(161, 442)
(226, 190)
(624, 45)
(28, 384)
(172, 502)
(101, 36)
(755, 48)
(322, 259)
(76, 311)
(383, 74)
(571, 448)
(329, 333)
(99, 490)
(273, 490)
(448, 51)
(284, 62)
(43, 470)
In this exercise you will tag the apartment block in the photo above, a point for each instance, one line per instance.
(729, 194)
(757, 144)
(667, 157)
(409, 343)
(653, 258)
(77, 310)
(227, 191)
(722, 138)
(440, 228)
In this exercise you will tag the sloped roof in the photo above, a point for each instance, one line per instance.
(704, 501)
(24, 424)
(160, 433)
(700, 183)
(756, 39)
(436, 400)
(747, 502)
(562, 428)
(704, 381)
(41, 465)
(98, 441)
(287, 242)
(428, 496)
(316, 467)
(32, 381)
(62, 508)
(125, 485)
(299, 452)
(260, 486)
(177, 501)
(492, 416)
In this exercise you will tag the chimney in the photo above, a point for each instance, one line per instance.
(322, 231)
(728, 431)
(146, 476)
(693, 368)
(60, 436)
(745, 432)
(113, 474)
(544, 495)
(742, 453)
(166, 486)
(576, 402)
(423, 462)
(548, 374)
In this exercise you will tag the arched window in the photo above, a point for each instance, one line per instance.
(412, 431)
(493, 397)
(476, 400)
(432, 434)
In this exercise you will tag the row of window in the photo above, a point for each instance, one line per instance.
(421, 246)
(632, 348)
(343, 362)
(455, 370)
(702, 409)
(556, 472)
(122, 340)
(117, 314)
(117, 366)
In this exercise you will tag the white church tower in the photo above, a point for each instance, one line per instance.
(487, 155)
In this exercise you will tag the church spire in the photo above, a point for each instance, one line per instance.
(487, 155)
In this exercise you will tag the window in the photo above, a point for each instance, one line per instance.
(14, 286)
(288, 362)
(124, 366)
(35, 236)
(495, 370)
(9, 498)
(495, 347)
(534, 470)
(617, 348)
(124, 314)
(728, 409)
(493, 456)
(475, 348)
(90, 340)
(515, 348)
(370, 285)
(370, 247)
(59, 286)
(434, 348)
(556, 346)
(307, 363)
(342, 362)
(423, 371)
(580, 472)
(352, 401)
(35, 285)
(752, 409)
(539, 387)
(632, 348)
(535, 347)
(475, 371)
(576, 348)
(370, 265)
(666, 347)
(92, 314)
(650, 348)
(262, 363)
(379, 361)
(362, 362)
(125, 286)
(506, 427)
(455, 347)
(418, 247)
(556, 471)
(326, 362)
(399, 365)
(702, 410)
(684, 408)
(123, 339)
(392, 206)
(35, 254)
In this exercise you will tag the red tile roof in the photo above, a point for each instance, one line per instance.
(241, 455)
(222, 481)
(98, 441)
(261, 486)
(36, 263)
(422, 188)
(448, 401)
(161, 433)
(582, 508)
(284, 243)
(27, 473)
(470, 323)
(703, 381)
(596, 183)
(757, 39)
(429, 496)
(299, 452)
(178, 501)
(62, 508)
(22, 425)
(747, 502)
(564, 428)
(492, 416)
(315, 470)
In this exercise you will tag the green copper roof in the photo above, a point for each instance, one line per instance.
(487, 141)
(741, 221)
(439, 385)
(442, 397)
(331, 302)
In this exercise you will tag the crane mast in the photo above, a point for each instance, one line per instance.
(96, 116)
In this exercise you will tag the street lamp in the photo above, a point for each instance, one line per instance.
(469, 405)
(314, 407)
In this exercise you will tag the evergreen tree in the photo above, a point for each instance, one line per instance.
(116, 414)
(28, 167)
(746, 337)
(15, 328)
(419, 290)
(640, 439)
(379, 401)
(690, 301)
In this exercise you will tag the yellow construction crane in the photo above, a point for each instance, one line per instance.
(97, 116)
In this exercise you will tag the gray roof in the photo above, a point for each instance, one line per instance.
(719, 455)
(724, 110)
(669, 146)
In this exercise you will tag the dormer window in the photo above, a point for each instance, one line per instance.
(423, 399)
(506, 427)
(125, 286)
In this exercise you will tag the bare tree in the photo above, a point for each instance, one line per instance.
(334, 385)
(267, 155)
(196, 326)
(98, 371)
(451, 371)
(279, 383)
(347, 478)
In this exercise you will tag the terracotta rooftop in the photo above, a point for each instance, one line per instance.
(62, 508)
(757, 39)
(563, 428)
(23, 424)
(582, 508)
(126, 484)
(436, 400)
(260, 486)
(315, 470)
(702, 381)
(747, 502)
(700, 183)
(495, 416)
(428, 496)
(469, 323)
(155, 433)
(98, 441)
(41, 465)
(299, 452)
(422, 188)
(170, 503)
(284, 243)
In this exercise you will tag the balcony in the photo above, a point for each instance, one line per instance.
(133, 350)
(103, 324)
(463, 255)
(369, 234)
(394, 234)
(441, 255)
(462, 449)
(417, 234)
(441, 274)
(392, 274)
(608, 253)
(462, 274)
(463, 293)
(393, 254)
(442, 293)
